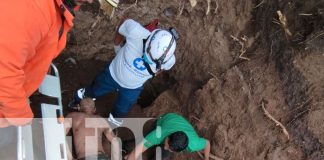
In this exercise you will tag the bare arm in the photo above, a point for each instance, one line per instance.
(68, 126)
(107, 130)
(119, 39)
(116, 144)
(109, 134)
(207, 150)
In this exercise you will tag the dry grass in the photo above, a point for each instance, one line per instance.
(259, 4)
(242, 44)
(284, 23)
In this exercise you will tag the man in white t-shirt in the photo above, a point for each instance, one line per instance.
(144, 55)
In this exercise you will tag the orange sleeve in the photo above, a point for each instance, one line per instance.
(16, 48)
(13, 99)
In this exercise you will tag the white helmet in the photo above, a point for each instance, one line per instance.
(160, 47)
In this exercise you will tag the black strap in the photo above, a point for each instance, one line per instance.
(62, 27)
(160, 60)
(147, 66)
(62, 9)
(70, 5)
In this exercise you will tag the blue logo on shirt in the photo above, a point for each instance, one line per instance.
(139, 64)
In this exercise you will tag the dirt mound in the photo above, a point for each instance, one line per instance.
(231, 56)
(286, 71)
(228, 110)
(297, 58)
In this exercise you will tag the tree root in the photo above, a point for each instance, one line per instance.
(284, 23)
(216, 8)
(208, 7)
(274, 120)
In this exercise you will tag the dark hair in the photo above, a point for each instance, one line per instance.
(103, 157)
(178, 141)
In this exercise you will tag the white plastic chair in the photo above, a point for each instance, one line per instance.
(54, 134)
(51, 85)
(55, 144)
(24, 143)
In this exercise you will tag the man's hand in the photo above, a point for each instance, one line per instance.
(130, 156)
(119, 39)
(69, 154)
(135, 154)
(207, 150)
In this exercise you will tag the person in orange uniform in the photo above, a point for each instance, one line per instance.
(32, 34)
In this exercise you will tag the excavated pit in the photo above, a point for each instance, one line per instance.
(214, 85)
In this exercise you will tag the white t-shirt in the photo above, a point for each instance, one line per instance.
(127, 68)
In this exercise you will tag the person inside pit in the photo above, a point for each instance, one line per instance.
(144, 55)
(77, 122)
(174, 134)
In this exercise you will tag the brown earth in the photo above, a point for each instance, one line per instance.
(219, 92)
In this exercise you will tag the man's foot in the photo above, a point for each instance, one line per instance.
(113, 122)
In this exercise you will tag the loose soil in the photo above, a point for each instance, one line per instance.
(211, 84)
